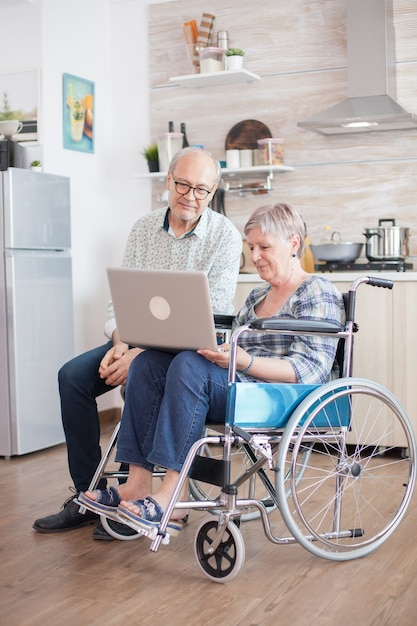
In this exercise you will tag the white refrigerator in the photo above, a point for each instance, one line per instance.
(36, 307)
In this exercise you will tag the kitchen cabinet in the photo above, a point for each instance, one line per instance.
(386, 344)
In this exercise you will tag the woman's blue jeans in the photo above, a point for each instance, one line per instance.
(168, 399)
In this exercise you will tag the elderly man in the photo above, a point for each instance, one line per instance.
(186, 235)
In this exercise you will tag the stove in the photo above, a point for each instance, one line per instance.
(375, 266)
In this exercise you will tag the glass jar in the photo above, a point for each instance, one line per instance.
(272, 151)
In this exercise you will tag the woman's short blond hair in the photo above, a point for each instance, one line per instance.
(279, 220)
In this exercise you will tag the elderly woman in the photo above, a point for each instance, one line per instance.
(165, 413)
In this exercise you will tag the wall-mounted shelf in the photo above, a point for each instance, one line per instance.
(227, 77)
(232, 178)
(235, 172)
(153, 175)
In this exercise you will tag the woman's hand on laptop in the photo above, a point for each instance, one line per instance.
(221, 356)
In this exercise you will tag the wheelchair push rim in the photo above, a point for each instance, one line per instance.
(356, 489)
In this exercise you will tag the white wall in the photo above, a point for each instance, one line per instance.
(106, 42)
(105, 47)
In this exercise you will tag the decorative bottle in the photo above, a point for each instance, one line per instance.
(185, 143)
(223, 43)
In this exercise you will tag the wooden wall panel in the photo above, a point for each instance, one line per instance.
(299, 49)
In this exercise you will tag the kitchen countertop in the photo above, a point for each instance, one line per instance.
(349, 277)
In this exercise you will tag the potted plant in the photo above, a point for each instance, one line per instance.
(36, 165)
(151, 155)
(234, 58)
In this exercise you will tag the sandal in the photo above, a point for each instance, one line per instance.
(150, 517)
(106, 502)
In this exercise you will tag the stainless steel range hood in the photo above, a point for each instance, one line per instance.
(370, 105)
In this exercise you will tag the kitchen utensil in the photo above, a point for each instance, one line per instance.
(190, 31)
(244, 135)
(203, 36)
(337, 251)
(387, 243)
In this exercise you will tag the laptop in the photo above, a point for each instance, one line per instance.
(164, 309)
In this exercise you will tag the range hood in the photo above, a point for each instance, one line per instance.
(370, 105)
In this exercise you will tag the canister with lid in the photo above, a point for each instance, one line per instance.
(211, 60)
(168, 145)
(272, 151)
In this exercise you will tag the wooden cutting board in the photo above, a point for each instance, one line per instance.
(244, 135)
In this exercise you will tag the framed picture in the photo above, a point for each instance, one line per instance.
(19, 100)
(78, 113)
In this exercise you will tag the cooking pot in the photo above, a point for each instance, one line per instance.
(387, 243)
(336, 251)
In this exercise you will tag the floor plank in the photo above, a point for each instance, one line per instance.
(68, 578)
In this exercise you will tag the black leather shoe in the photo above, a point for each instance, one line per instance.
(100, 534)
(68, 518)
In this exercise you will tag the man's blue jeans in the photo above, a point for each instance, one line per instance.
(79, 386)
(168, 399)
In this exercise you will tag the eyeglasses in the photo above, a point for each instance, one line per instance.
(199, 192)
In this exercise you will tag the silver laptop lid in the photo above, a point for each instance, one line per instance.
(163, 309)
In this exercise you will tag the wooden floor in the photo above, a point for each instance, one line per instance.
(68, 578)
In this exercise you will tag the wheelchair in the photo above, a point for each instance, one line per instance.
(335, 463)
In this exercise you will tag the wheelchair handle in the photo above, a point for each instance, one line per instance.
(380, 282)
(374, 281)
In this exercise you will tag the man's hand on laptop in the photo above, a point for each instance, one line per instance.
(114, 367)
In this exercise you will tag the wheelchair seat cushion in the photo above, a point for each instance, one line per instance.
(270, 405)
(264, 405)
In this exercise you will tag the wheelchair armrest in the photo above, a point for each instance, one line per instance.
(223, 321)
(273, 323)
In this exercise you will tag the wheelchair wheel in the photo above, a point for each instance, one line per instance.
(350, 498)
(227, 560)
(253, 488)
(117, 530)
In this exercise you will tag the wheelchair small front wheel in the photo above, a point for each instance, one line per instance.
(225, 563)
(119, 531)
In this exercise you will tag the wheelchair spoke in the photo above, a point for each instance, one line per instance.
(351, 496)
